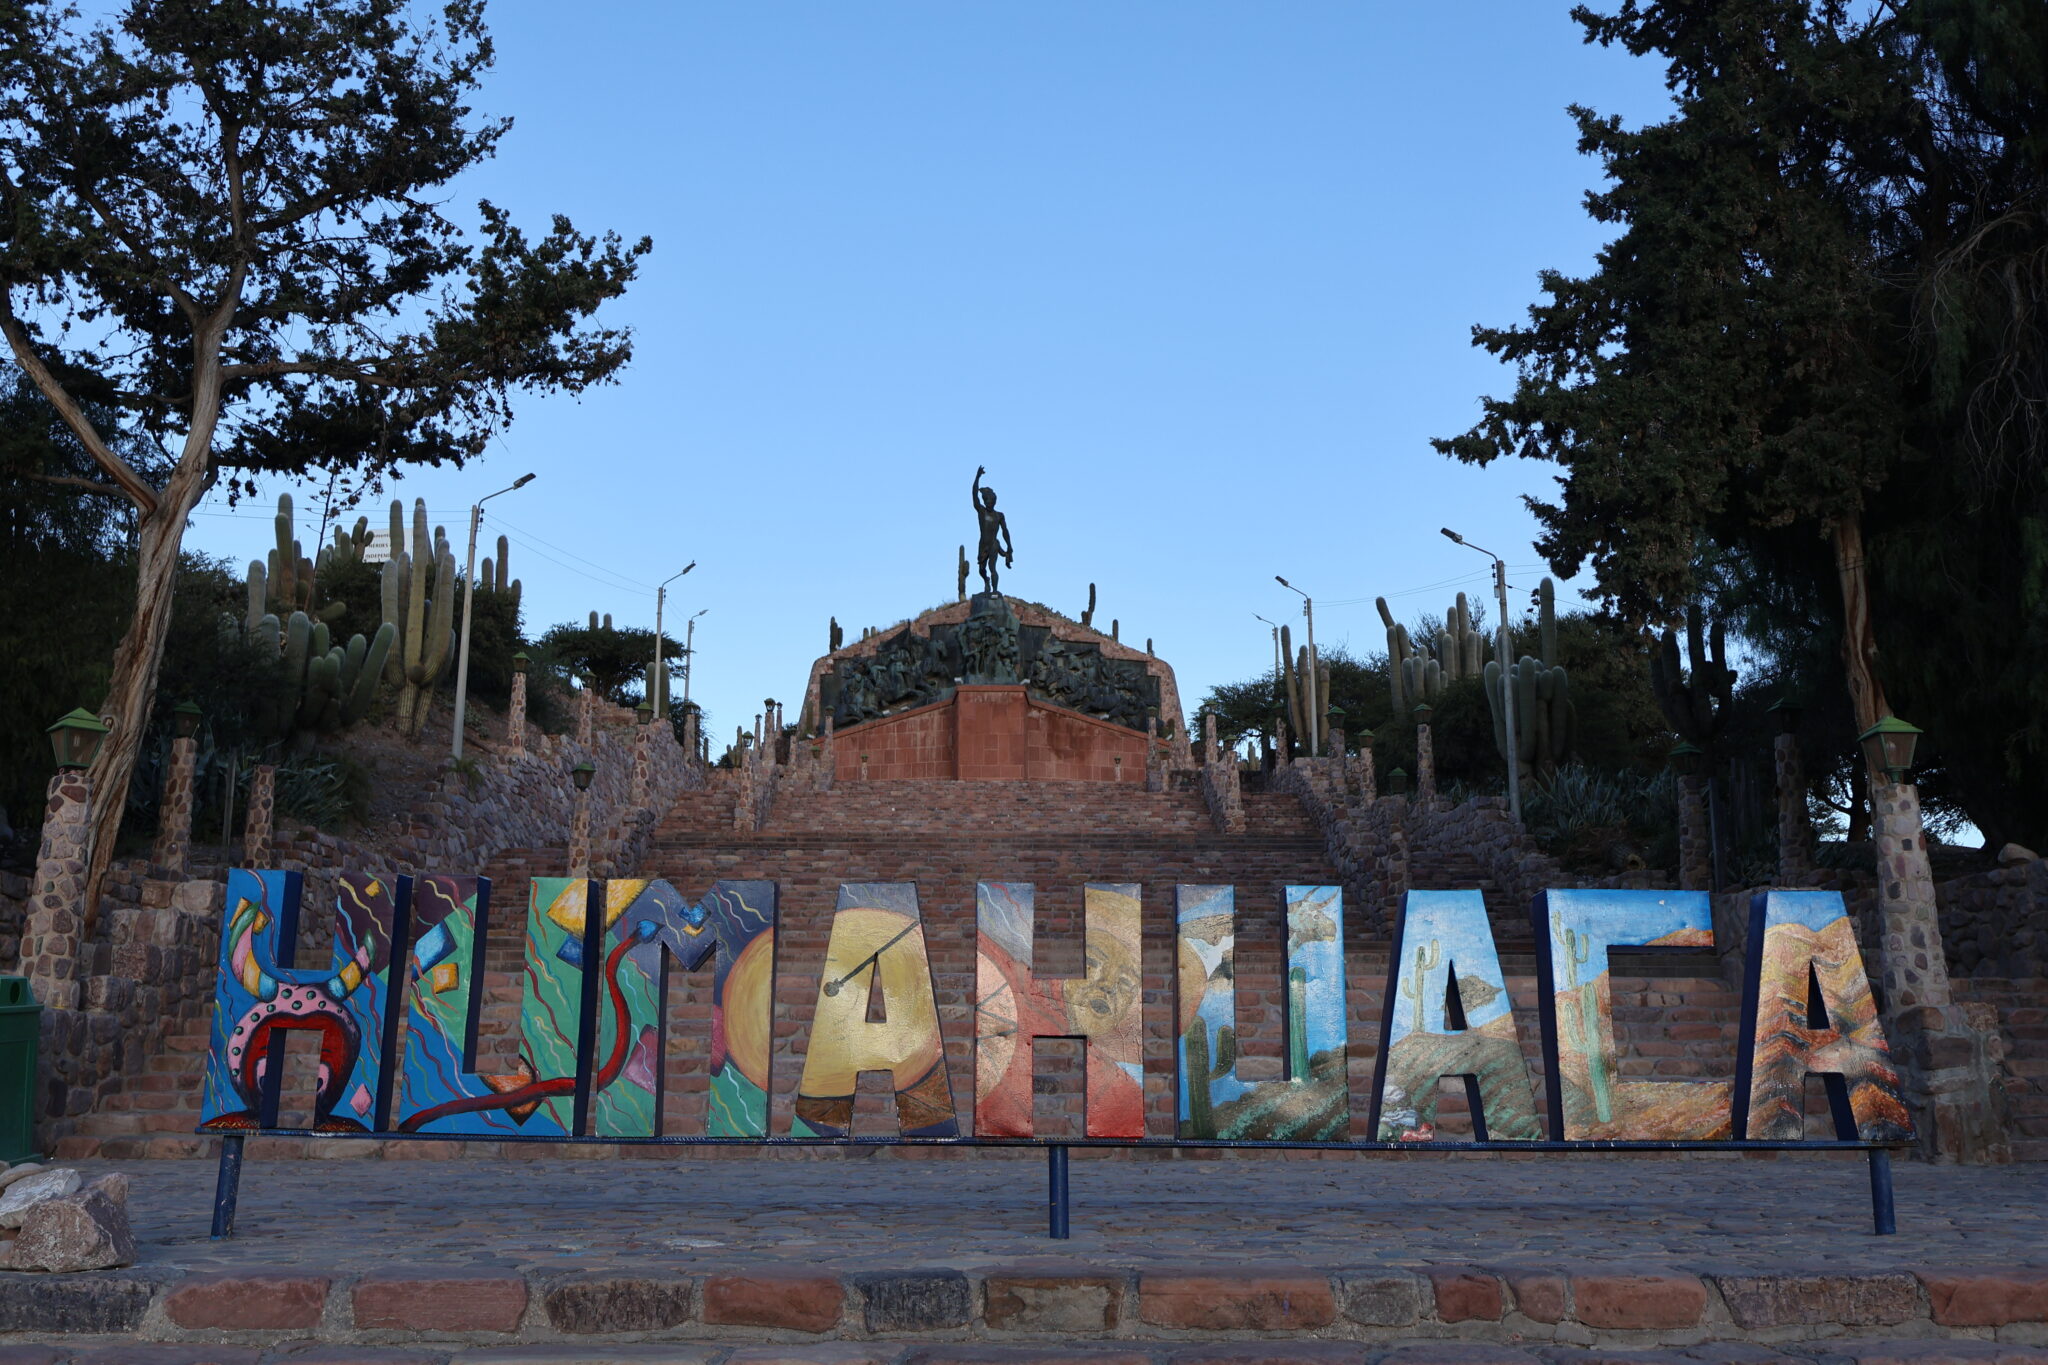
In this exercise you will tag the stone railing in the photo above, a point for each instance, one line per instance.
(1221, 790)
(1995, 923)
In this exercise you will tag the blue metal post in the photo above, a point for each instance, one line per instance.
(1056, 1191)
(1881, 1192)
(227, 1187)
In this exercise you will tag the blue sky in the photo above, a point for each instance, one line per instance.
(1194, 281)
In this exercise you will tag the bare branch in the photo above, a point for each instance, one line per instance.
(131, 483)
(105, 490)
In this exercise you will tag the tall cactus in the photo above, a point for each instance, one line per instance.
(1297, 1023)
(422, 622)
(1426, 961)
(1577, 951)
(1546, 722)
(284, 580)
(1290, 683)
(1695, 701)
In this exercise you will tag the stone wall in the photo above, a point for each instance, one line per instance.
(14, 890)
(990, 734)
(149, 973)
(1995, 924)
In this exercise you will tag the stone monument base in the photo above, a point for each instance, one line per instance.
(990, 734)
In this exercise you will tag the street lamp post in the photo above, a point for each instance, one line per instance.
(659, 671)
(1507, 663)
(689, 655)
(1310, 684)
(476, 519)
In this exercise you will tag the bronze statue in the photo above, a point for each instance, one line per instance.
(993, 526)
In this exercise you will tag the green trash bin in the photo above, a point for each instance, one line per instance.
(21, 1023)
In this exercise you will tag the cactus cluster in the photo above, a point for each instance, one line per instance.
(496, 574)
(1546, 722)
(1419, 672)
(321, 686)
(285, 580)
(422, 621)
(1694, 700)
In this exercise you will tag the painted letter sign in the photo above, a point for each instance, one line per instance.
(591, 1058)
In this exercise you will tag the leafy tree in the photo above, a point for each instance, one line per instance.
(1818, 343)
(220, 219)
(613, 660)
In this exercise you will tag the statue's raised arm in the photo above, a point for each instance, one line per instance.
(974, 494)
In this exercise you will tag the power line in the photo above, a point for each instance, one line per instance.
(522, 536)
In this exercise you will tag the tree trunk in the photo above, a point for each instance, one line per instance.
(1859, 643)
(132, 693)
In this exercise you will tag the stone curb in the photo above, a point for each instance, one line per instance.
(1247, 1313)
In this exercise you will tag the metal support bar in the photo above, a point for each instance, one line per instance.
(1881, 1213)
(227, 1187)
(1056, 1205)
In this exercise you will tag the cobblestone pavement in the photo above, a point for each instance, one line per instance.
(693, 1214)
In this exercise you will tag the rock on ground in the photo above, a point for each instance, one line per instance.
(19, 1197)
(87, 1230)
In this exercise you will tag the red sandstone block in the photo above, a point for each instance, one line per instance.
(231, 1302)
(1638, 1301)
(440, 1303)
(1224, 1303)
(1464, 1294)
(774, 1298)
(1049, 1300)
(1539, 1294)
(1987, 1298)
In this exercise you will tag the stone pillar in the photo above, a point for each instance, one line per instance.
(1695, 843)
(1795, 832)
(863, 767)
(1368, 780)
(586, 707)
(54, 935)
(515, 722)
(174, 813)
(1340, 761)
(579, 835)
(1948, 1059)
(828, 758)
(1155, 756)
(690, 742)
(262, 810)
(643, 765)
(1425, 769)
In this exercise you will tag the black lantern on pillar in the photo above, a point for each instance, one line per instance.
(1423, 711)
(1888, 745)
(520, 662)
(582, 773)
(76, 739)
(1786, 712)
(1687, 758)
(185, 718)
(1363, 739)
(1397, 782)
(644, 711)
